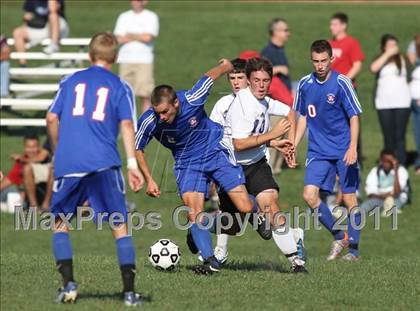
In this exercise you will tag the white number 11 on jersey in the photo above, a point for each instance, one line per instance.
(79, 105)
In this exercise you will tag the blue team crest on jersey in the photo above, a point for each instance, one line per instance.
(330, 98)
(193, 122)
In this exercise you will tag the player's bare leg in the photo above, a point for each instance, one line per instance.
(246, 203)
(311, 196)
(282, 233)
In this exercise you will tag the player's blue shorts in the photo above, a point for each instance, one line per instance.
(220, 167)
(104, 190)
(322, 173)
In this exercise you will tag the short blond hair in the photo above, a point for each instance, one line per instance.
(103, 46)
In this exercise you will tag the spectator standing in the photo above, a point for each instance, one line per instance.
(275, 52)
(413, 51)
(387, 185)
(42, 19)
(348, 57)
(415, 94)
(4, 66)
(347, 52)
(392, 96)
(136, 31)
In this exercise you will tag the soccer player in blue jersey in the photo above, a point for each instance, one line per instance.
(179, 122)
(83, 122)
(329, 108)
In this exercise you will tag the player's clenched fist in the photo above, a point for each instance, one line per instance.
(153, 189)
(226, 63)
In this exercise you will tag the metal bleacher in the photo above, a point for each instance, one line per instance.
(26, 87)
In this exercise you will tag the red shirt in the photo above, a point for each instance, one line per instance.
(346, 51)
(16, 173)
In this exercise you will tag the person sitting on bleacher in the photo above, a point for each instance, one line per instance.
(42, 19)
(31, 175)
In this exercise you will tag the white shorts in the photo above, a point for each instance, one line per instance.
(36, 35)
(41, 172)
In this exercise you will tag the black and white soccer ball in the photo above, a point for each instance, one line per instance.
(164, 255)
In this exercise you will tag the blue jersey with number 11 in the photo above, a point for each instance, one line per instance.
(90, 105)
(328, 107)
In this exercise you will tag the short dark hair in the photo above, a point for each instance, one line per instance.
(273, 24)
(385, 152)
(30, 136)
(257, 64)
(342, 17)
(163, 93)
(239, 65)
(320, 46)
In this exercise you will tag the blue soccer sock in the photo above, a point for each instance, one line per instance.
(125, 251)
(62, 246)
(328, 220)
(354, 220)
(127, 260)
(63, 256)
(202, 240)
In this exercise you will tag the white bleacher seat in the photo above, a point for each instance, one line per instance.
(53, 56)
(42, 72)
(26, 104)
(64, 41)
(23, 122)
(33, 87)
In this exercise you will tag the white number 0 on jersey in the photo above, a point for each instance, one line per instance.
(312, 111)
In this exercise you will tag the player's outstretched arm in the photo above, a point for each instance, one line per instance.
(135, 177)
(281, 128)
(300, 130)
(224, 67)
(152, 187)
(351, 154)
(52, 128)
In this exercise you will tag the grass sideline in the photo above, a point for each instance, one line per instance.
(386, 278)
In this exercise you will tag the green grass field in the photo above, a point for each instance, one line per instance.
(194, 35)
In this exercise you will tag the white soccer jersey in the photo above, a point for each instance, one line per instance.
(219, 113)
(248, 116)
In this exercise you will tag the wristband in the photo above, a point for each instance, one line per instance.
(132, 163)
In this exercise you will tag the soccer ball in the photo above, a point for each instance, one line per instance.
(164, 255)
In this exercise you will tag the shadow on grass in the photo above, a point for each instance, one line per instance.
(116, 296)
(255, 266)
(250, 266)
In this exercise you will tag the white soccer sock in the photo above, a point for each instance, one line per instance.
(222, 241)
(285, 241)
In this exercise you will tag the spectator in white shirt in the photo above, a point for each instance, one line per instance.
(136, 31)
(392, 98)
(385, 188)
(413, 54)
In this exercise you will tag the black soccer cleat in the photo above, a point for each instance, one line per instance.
(190, 242)
(299, 269)
(211, 265)
(263, 228)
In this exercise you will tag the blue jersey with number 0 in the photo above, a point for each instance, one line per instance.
(328, 107)
(192, 135)
(90, 105)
